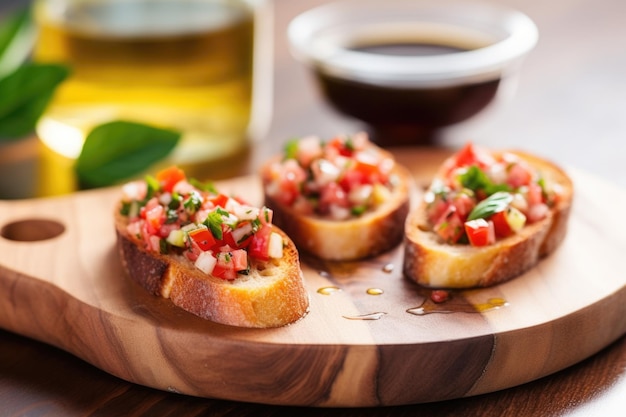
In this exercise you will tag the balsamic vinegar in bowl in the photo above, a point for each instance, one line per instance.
(406, 114)
(407, 69)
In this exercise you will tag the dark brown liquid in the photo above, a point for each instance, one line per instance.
(407, 49)
(406, 115)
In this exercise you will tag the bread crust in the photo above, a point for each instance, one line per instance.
(432, 263)
(272, 295)
(343, 240)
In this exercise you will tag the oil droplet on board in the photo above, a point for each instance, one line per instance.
(388, 268)
(491, 304)
(429, 307)
(375, 291)
(330, 290)
(371, 316)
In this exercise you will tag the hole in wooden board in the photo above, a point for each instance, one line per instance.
(32, 230)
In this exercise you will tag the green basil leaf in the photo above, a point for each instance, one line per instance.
(17, 38)
(491, 205)
(476, 179)
(118, 150)
(24, 95)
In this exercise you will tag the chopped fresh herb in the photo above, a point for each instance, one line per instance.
(153, 186)
(176, 201)
(491, 205)
(214, 223)
(203, 186)
(358, 210)
(349, 144)
(476, 179)
(193, 202)
(291, 149)
(171, 216)
(163, 246)
(125, 209)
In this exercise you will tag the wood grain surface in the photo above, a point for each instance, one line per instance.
(68, 290)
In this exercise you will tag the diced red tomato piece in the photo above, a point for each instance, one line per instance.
(480, 232)
(471, 155)
(260, 243)
(450, 226)
(155, 218)
(169, 177)
(333, 194)
(501, 224)
(518, 175)
(439, 296)
(534, 194)
(220, 200)
(464, 204)
(340, 145)
(537, 212)
(203, 238)
(224, 268)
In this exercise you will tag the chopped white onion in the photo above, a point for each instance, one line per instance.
(275, 249)
(206, 262)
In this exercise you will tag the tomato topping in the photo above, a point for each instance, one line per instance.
(487, 196)
(480, 232)
(316, 177)
(260, 242)
(169, 177)
(450, 225)
(219, 234)
(202, 238)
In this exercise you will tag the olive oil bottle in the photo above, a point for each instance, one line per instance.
(180, 64)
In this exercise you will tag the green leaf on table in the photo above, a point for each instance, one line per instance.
(24, 95)
(118, 150)
(17, 38)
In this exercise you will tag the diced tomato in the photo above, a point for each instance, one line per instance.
(224, 268)
(501, 224)
(537, 212)
(471, 155)
(464, 204)
(340, 145)
(518, 175)
(155, 218)
(534, 194)
(331, 195)
(169, 177)
(480, 232)
(259, 245)
(239, 259)
(450, 226)
(436, 208)
(202, 238)
(220, 200)
(439, 296)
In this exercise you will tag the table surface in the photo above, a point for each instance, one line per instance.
(569, 106)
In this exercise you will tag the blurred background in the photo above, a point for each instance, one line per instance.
(568, 104)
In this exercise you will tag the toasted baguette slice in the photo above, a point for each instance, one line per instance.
(433, 263)
(272, 295)
(340, 240)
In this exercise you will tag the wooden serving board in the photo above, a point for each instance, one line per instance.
(61, 283)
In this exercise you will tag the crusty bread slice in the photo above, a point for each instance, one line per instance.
(433, 263)
(341, 240)
(272, 295)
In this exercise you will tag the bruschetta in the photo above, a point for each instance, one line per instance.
(341, 199)
(486, 218)
(210, 253)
